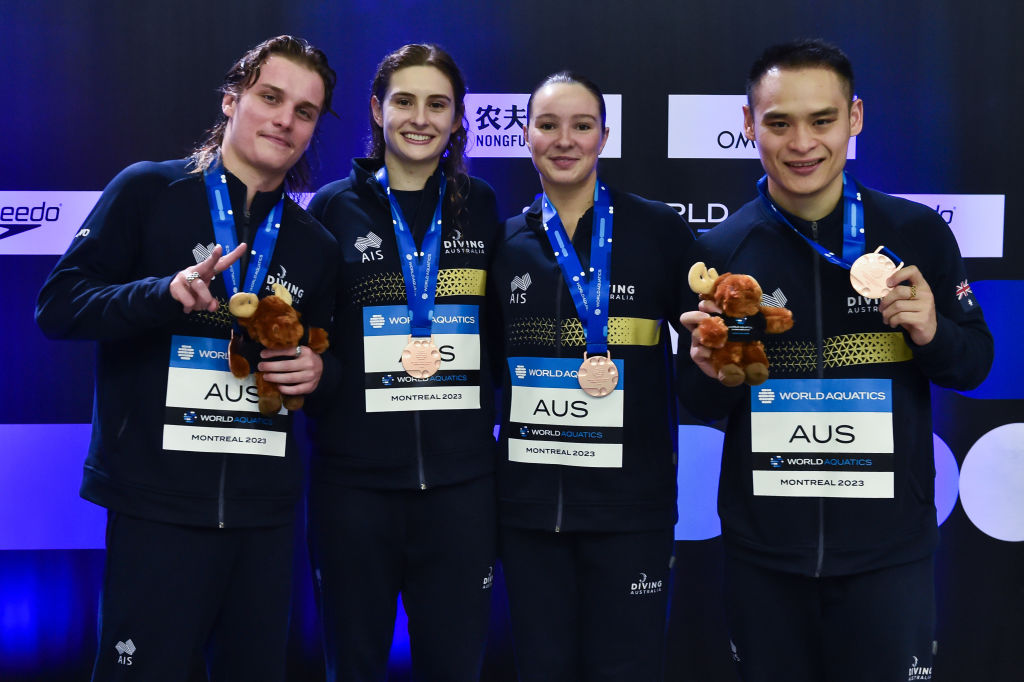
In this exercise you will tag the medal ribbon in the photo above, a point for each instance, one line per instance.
(590, 294)
(224, 230)
(853, 225)
(419, 269)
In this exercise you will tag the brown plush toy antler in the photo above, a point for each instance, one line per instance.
(269, 322)
(734, 336)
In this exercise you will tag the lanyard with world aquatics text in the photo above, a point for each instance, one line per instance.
(589, 293)
(223, 219)
(419, 268)
(853, 224)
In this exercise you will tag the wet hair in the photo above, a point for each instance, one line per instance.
(571, 78)
(453, 158)
(242, 75)
(802, 54)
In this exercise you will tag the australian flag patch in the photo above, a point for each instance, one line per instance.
(966, 296)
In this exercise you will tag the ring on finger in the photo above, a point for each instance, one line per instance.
(191, 277)
(298, 351)
(913, 291)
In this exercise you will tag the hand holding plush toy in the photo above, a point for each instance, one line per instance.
(737, 353)
(270, 322)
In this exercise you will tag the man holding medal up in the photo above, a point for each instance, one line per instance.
(826, 494)
(201, 489)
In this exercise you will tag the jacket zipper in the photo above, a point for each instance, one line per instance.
(244, 261)
(220, 493)
(419, 450)
(558, 350)
(820, 372)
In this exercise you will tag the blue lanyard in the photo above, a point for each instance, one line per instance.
(591, 302)
(419, 269)
(853, 225)
(224, 230)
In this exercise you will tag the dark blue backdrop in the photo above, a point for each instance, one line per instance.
(92, 87)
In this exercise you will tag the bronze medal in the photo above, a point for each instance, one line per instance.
(420, 357)
(598, 375)
(869, 273)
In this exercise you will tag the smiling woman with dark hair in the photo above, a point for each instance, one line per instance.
(402, 496)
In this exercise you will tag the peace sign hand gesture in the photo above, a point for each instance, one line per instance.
(191, 286)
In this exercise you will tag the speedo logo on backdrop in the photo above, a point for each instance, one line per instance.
(976, 220)
(42, 223)
(495, 125)
(711, 127)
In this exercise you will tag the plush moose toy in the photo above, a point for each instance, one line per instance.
(269, 322)
(734, 336)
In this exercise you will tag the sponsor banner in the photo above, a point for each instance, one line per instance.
(568, 454)
(41, 470)
(711, 127)
(495, 125)
(868, 484)
(216, 440)
(977, 220)
(701, 216)
(42, 223)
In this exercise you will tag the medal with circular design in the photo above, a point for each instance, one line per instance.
(869, 273)
(598, 375)
(421, 358)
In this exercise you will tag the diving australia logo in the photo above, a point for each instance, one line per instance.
(520, 283)
(281, 278)
(621, 292)
(918, 672)
(369, 247)
(860, 304)
(459, 245)
(645, 585)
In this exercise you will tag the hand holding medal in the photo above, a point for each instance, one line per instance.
(910, 304)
